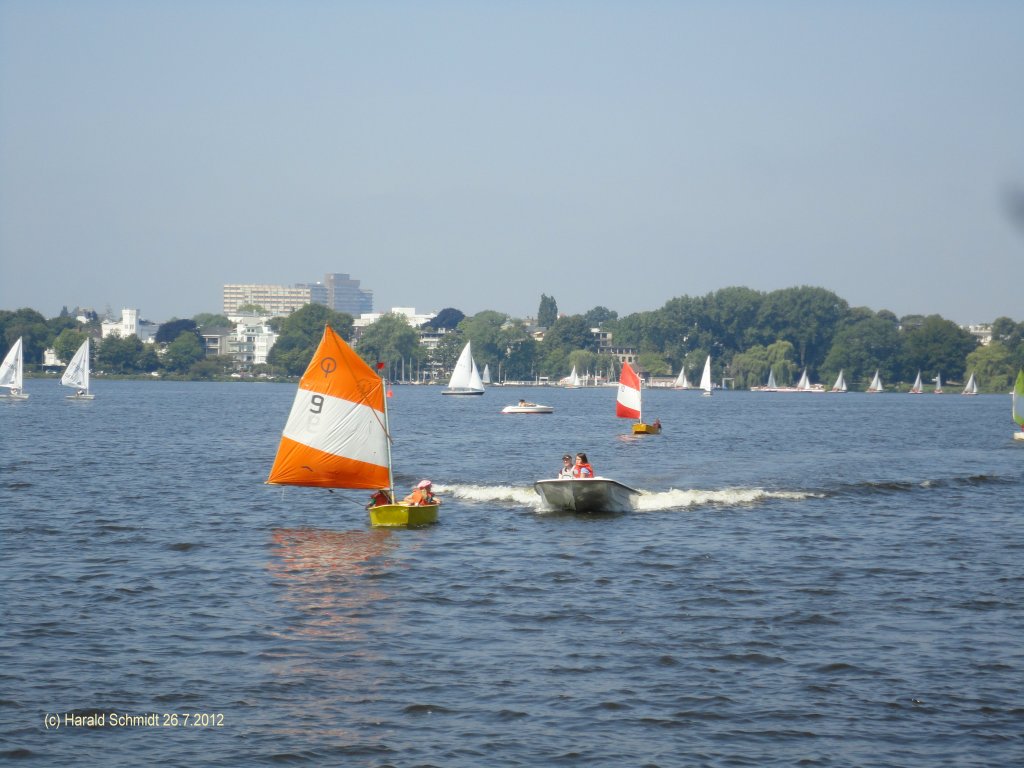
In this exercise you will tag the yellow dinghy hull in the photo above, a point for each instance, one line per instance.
(646, 429)
(403, 515)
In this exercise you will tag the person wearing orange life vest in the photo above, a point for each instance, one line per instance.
(582, 468)
(422, 495)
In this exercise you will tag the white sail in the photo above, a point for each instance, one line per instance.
(681, 382)
(771, 380)
(876, 384)
(805, 382)
(572, 381)
(705, 377)
(486, 377)
(972, 386)
(917, 388)
(12, 371)
(840, 385)
(938, 384)
(77, 373)
(465, 378)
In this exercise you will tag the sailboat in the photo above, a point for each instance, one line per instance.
(572, 381)
(465, 378)
(485, 378)
(917, 389)
(77, 374)
(1018, 405)
(771, 386)
(705, 378)
(12, 372)
(681, 382)
(337, 433)
(876, 384)
(629, 402)
(972, 386)
(804, 385)
(840, 385)
(938, 384)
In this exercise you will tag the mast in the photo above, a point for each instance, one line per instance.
(387, 440)
(640, 400)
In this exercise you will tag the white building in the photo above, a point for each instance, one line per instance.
(249, 342)
(130, 325)
(252, 340)
(409, 313)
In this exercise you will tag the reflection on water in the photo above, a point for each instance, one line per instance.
(329, 578)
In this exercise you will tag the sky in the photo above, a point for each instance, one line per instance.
(479, 154)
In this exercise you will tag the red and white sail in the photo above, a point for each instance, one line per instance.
(336, 434)
(627, 403)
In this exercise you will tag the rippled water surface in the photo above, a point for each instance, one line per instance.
(830, 580)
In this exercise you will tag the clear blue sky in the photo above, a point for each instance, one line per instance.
(478, 154)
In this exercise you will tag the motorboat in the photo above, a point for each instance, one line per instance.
(525, 407)
(594, 494)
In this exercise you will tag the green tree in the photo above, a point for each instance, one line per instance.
(251, 309)
(567, 335)
(67, 343)
(598, 316)
(654, 364)
(806, 317)
(867, 343)
(547, 312)
(390, 340)
(730, 318)
(182, 353)
(300, 334)
(446, 353)
(570, 332)
(750, 368)
(447, 319)
(33, 330)
(936, 346)
(215, 367)
(485, 331)
(115, 354)
(1011, 335)
(170, 330)
(519, 363)
(205, 320)
(993, 367)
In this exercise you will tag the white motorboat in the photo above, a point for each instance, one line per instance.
(525, 407)
(596, 494)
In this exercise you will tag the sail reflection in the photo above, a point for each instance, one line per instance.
(328, 578)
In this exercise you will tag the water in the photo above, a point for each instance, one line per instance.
(826, 580)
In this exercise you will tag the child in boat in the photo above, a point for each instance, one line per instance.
(422, 495)
(379, 499)
(582, 469)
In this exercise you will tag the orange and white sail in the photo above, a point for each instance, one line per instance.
(627, 404)
(336, 434)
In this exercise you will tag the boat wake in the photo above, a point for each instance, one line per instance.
(649, 501)
(725, 497)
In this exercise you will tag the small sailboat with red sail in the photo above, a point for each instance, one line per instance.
(629, 402)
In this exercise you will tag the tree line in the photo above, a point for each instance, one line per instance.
(747, 333)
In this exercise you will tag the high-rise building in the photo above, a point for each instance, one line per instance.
(345, 295)
(337, 291)
(275, 299)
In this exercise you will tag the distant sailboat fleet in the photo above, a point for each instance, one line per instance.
(76, 375)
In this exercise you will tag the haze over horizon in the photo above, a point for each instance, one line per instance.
(477, 155)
